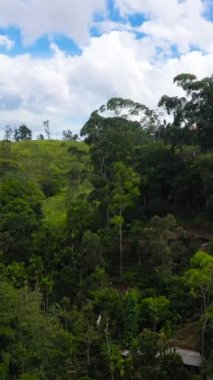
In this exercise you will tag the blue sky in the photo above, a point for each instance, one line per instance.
(60, 60)
(40, 47)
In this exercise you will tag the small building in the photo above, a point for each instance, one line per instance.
(190, 358)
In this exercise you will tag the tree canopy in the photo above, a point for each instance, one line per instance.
(106, 244)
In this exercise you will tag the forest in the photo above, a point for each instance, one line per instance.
(106, 243)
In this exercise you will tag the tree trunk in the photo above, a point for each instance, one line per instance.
(121, 247)
(88, 351)
(139, 255)
(203, 342)
(73, 254)
(203, 332)
(109, 350)
(107, 215)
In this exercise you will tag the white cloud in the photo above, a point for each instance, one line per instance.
(6, 42)
(179, 23)
(37, 17)
(66, 89)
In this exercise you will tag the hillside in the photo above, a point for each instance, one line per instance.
(49, 163)
(106, 249)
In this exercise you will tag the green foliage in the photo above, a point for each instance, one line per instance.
(45, 355)
(114, 358)
(68, 136)
(67, 208)
(17, 274)
(22, 133)
(20, 211)
(92, 251)
(200, 276)
(108, 301)
(111, 140)
(131, 310)
(155, 310)
(125, 186)
(193, 111)
(154, 360)
(28, 376)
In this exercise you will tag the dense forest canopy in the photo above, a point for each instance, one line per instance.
(106, 249)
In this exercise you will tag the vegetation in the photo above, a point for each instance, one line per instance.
(105, 245)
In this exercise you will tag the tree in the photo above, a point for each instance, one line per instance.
(202, 168)
(46, 125)
(144, 354)
(20, 212)
(17, 274)
(113, 357)
(23, 133)
(152, 358)
(158, 165)
(124, 191)
(131, 315)
(68, 136)
(113, 139)
(193, 114)
(8, 133)
(155, 310)
(136, 233)
(40, 137)
(31, 344)
(159, 256)
(92, 252)
(200, 280)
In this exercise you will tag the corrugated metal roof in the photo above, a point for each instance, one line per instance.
(189, 357)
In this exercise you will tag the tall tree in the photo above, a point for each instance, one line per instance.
(125, 190)
(8, 133)
(117, 131)
(200, 280)
(192, 114)
(23, 133)
(46, 125)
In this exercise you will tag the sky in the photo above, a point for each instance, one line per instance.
(62, 59)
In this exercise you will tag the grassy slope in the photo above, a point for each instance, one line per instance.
(50, 160)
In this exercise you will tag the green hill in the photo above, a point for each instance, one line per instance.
(50, 165)
(106, 249)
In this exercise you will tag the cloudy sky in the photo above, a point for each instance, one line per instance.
(61, 59)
